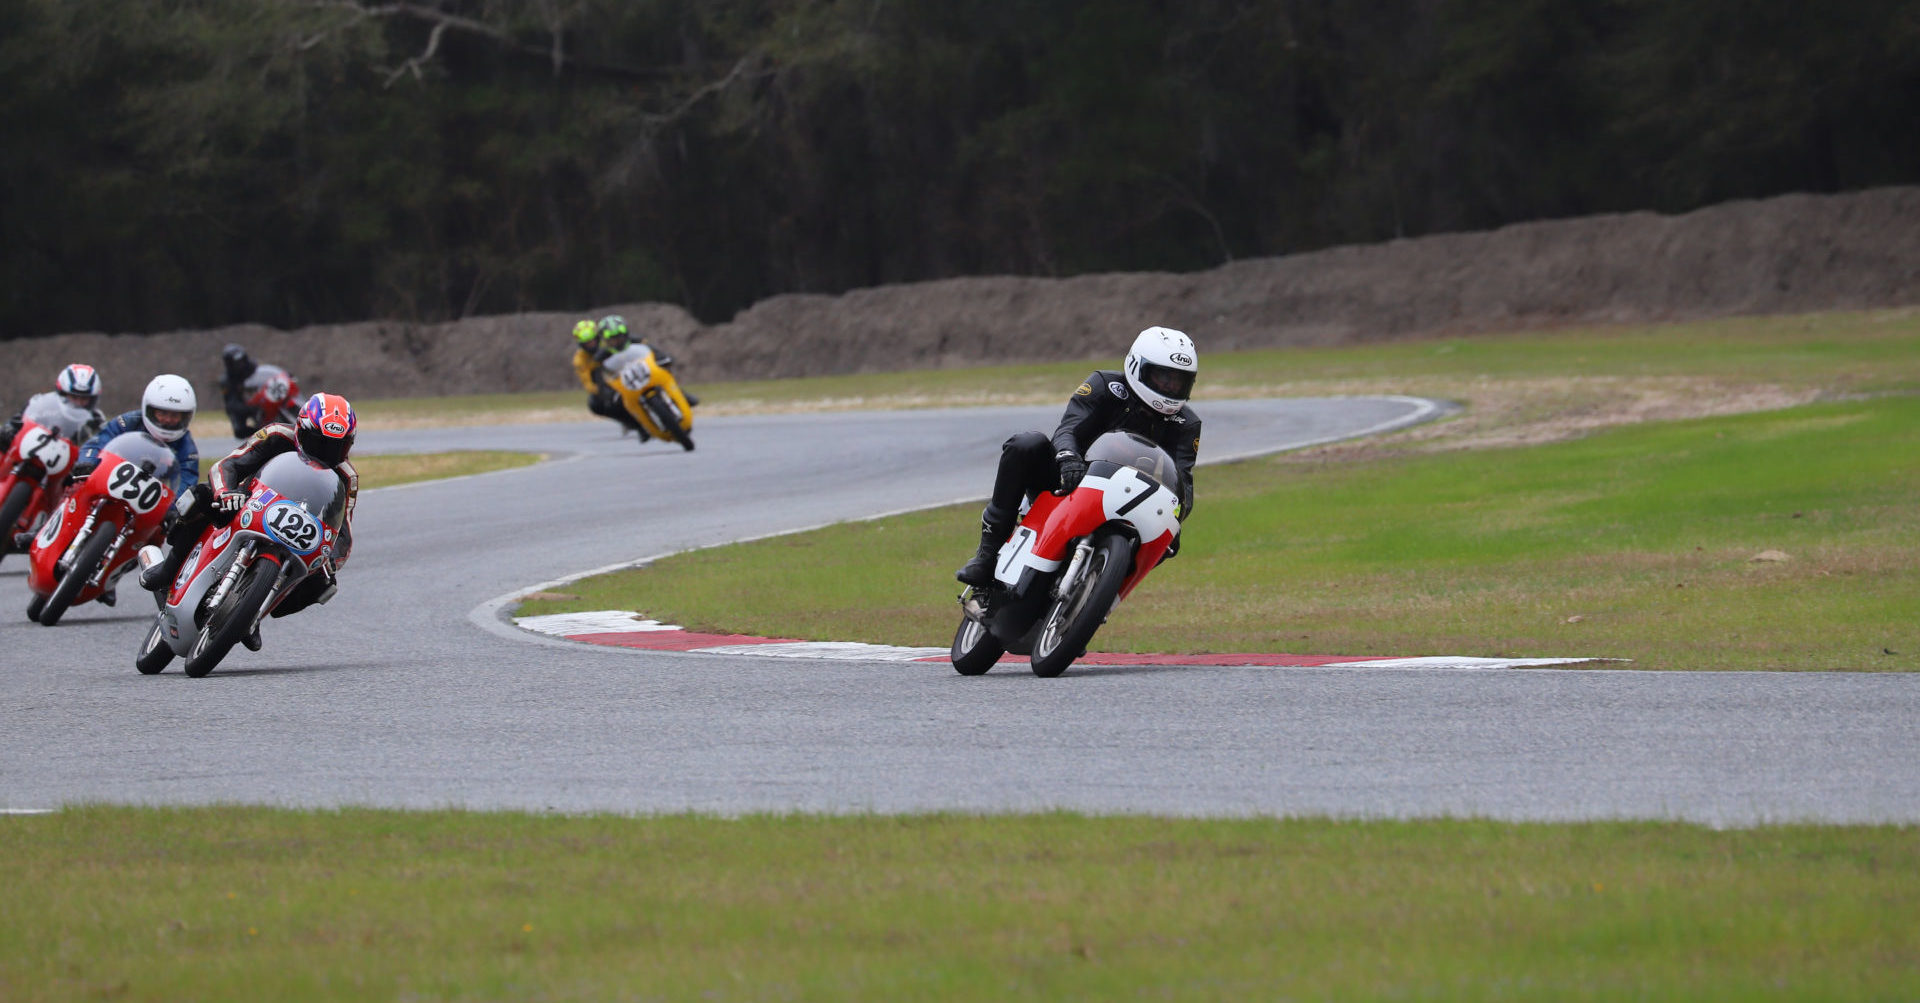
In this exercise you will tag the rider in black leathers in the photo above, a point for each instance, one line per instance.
(1148, 397)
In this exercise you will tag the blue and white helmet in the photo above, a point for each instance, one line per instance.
(79, 382)
(1161, 367)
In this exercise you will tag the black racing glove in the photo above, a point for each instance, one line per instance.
(82, 469)
(229, 502)
(1071, 468)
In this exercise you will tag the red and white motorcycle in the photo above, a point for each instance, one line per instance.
(243, 566)
(35, 469)
(91, 537)
(1072, 559)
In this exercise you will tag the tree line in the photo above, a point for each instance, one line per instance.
(190, 163)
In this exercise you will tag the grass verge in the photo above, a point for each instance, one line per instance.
(1637, 541)
(229, 903)
(384, 470)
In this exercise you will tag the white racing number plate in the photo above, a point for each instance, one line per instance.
(293, 526)
(49, 450)
(139, 489)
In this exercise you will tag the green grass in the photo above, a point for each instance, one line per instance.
(1633, 542)
(227, 903)
(384, 470)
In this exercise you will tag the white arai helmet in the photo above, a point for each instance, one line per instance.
(1161, 366)
(167, 407)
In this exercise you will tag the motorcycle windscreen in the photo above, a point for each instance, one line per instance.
(139, 449)
(52, 411)
(316, 487)
(1130, 449)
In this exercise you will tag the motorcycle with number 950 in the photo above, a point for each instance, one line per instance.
(92, 536)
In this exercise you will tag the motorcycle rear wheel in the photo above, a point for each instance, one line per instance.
(228, 624)
(1071, 622)
(91, 554)
(669, 422)
(10, 510)
(157, 653)
(974, 648)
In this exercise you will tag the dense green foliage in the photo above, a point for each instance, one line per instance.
(194, 162)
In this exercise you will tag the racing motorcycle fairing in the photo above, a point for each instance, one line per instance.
(127, 494)
(637, 375)
(42, 452)
(291, 519)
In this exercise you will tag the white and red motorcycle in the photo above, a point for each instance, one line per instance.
(1072, 559)
(244, 566)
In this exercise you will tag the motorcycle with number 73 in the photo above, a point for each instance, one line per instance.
(1073, 559)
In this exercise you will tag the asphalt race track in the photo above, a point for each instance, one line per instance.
(410, 690)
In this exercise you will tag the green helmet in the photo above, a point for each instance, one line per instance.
(613, 331)
(585, 333)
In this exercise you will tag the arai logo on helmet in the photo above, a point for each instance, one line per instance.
(1180, 359)
(334, 428)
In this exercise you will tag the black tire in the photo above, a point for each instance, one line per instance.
(974, 648)
(10, 510)
(1069, 623)
(155, 654)
(662, 411)
(230, 622)
(84, 564)
(35, 605)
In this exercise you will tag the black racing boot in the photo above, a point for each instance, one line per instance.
(156, 578)
(995, 526)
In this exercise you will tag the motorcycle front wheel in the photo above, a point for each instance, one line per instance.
(1071, 621)
(91, 554)
(974, 649)
(156, 654)
(669, 422)
(10, 510)
(228, 624)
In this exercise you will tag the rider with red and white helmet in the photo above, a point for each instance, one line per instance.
(1148, 396)
(323, 435)
(79, 385)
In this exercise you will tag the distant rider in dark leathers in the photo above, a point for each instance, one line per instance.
(236, 365)
(591, 348)
(1149, 396)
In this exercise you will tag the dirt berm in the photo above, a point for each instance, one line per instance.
(1784, 255)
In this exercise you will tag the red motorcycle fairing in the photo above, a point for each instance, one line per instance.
(116, 494)
(39, 456)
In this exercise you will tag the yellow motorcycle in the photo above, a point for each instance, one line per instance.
(651, 394)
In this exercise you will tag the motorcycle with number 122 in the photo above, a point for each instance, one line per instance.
(92, 536)
(243, 566)
(1072, 559)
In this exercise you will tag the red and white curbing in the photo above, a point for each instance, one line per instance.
(627, 629)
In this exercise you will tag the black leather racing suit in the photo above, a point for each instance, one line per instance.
(194, 510)
(1102, 404)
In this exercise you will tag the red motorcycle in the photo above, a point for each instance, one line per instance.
(1073, 559)
(36, 465)
(273, 396)
(92, 538)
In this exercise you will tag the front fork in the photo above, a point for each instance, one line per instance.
(1070, 579)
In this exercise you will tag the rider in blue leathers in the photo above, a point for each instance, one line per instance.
(166, 409)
